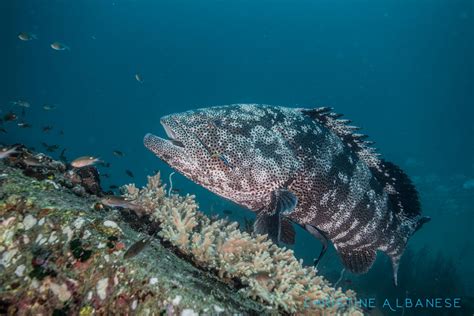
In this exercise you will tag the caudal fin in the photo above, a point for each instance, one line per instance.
(404, 203)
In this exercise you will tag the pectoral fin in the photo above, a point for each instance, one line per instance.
(271, 222)
(285, 201)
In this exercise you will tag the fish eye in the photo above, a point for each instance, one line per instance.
(217, 122)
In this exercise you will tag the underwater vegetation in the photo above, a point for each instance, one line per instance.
(62, 252)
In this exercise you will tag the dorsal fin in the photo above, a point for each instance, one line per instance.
(347, 133)
(402, 193)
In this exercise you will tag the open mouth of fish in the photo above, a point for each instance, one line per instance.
(171, 135)
(168, 149)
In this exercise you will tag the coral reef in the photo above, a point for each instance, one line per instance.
(269, 274)
(61, 252)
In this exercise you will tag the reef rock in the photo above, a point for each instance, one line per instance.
(62, 254)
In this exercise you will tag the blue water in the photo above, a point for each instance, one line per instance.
(402, 70)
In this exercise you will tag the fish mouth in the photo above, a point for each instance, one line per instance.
(171, 134)
(165, 149)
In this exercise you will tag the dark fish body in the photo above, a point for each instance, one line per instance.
(137, 247)
(304, 166)
(10, 116)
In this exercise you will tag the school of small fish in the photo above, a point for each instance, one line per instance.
(18, 114)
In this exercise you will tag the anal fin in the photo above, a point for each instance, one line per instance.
(267, 224)
(358, 261)
(287, 232)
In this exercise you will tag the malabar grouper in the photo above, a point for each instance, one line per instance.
(302, 166)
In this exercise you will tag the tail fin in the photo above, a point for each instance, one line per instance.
(421, 221)
(404, 203)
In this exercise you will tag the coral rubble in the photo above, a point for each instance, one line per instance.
(62, 253)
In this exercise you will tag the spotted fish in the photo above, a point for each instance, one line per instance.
(297, 166)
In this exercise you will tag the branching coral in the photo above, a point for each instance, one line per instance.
(271, 274)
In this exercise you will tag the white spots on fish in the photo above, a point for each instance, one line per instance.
(306, 128)
(235, 124)
(361, 234)
(325, 198)
(343, 177)
(357, 188)
(373, 244)
(249, 112)
(345, 232)
(308, 216)
(390, 189)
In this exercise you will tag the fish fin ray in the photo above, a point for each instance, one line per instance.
(358, 261)
(346, 133)
(270, 221)
(287, 234)
(285, 201)
(318, 234)
(395, 264)
(402, 196)
(401, 192)
(267, 223)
